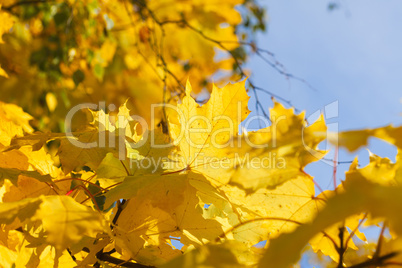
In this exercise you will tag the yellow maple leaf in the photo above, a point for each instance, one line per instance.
(234, 254)
(16, 115)
(208, 141)
(354, 139)
(379, 200)
(203, 133)
(273, 155)
(327, 241)
(224, 213)
(64, 220)
(3, 73)
(200, 131)
(161, 207)
(378, 170)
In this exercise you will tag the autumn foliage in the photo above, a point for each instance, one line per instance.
(118, 150)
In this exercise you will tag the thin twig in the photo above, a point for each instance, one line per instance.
(380, 261)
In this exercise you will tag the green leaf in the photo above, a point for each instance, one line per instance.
(78, 77)
(99, 198)
(99, 72)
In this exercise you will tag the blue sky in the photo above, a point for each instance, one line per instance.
(352, 55)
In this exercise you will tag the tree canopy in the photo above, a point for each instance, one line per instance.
(121, 145)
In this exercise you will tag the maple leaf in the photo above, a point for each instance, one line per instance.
(3, 73)
(161, 207)
(207, 138)
(24, 209)
(266, 213)
(73, 156)
(200, 131)
(380, 201)
(64, 220)
(15, 114)
(29, 187)
(353, 140)
(36, 140)
(116, 122)
(277, 153)
(379, 170)
(232, 253)
(12, 174)
(359, 182)
(111, 167)
(75, 150)
(230, 212)
(326, 241)
(18, 252)
(8, 130)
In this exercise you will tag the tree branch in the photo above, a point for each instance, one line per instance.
(104, 256)
(376, 262)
